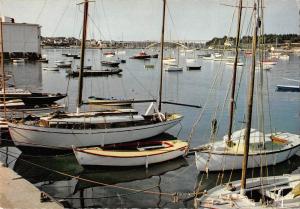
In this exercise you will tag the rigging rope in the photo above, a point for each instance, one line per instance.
(40, 13)
(62, 15)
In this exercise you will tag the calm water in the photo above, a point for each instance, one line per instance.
(192, 87)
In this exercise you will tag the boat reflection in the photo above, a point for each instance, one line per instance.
(47, 169)
(115, 175)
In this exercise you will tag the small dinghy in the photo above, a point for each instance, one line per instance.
(131, 154)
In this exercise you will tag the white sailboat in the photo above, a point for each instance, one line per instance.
(263, 192)
(133, 154)
(173, 65)
(218, 156)
(228, 154)
(61, 131)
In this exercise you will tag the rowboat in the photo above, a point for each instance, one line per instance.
(134, 154)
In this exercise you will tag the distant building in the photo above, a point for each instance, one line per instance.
(21, 39)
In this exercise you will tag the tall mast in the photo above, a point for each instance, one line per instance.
(250, 101)
(80, 82)
(2, 67)
(261, 49)
(162, 40)
(232, 99)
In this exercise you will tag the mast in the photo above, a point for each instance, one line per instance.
(232, 99)
(2, 67)
(80, 81)
(261, 118)
(250, 101)
(162, 40)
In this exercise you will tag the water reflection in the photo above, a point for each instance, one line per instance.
(45, 169)
(120, 175)
(190, 87)
(47, 173)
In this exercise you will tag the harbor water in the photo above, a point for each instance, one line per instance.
(170, 184)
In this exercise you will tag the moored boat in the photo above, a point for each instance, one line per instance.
(31, 98)
(110, 63)
(288, 88)
(109, 101)
(219, 156)
(64, 65)
(51, 68)
(141, 55)
(277, 191)
(135, 154)
(173, 68)
(104, 72)
(61, 131)
(193, 67)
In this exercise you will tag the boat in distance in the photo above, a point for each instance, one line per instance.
(109, 101)
(110, 63)
(141, 55)
(289, 88)
(96, 72)
(30, 98)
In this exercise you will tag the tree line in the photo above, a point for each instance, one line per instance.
(268, 39)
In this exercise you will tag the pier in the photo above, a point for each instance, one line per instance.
(16, 192)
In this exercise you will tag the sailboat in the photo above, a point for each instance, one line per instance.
(263, 192)
(228, 154)
(60, 131)
(173, 67)
(133, 154)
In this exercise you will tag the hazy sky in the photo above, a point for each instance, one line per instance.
(141, 19)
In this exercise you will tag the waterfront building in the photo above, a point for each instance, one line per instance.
(21, 40)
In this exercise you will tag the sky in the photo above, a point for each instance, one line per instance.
(142, 19)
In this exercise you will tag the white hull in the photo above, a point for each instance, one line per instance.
(220, 157)
(86, 159)
(219, 162)
(220, 197)
(59, 138)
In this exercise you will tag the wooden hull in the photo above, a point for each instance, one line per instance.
(129, 158)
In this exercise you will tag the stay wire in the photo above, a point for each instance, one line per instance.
(42, 9)
(60, 18)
